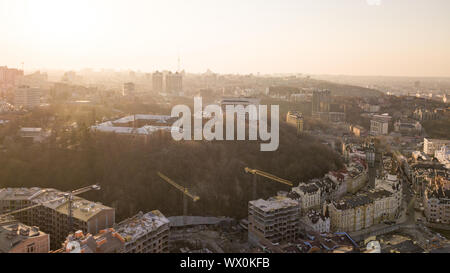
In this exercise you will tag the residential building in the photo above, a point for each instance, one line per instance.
(321, 101)
(16, 237)
(9, 76)
(27, 97)
(316, 221)
(371, 108)
(425, 114)
(310, 196)
(391, 183)
(296, 119)
(145, 233)
(361, 211)
(436, 200)
(52, 214)
(174, 83)
(379, 125)
(406, 126)
(157, 81)
(128, 89)
(430, 146)
(336, 116)
(443, 155)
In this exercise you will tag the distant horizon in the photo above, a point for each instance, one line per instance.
(29, 71)
(402, 38)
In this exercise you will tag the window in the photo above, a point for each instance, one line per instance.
(31, 248)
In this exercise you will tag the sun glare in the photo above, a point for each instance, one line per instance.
(60, 21)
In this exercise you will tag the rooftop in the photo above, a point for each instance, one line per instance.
(54, 199)
(361, 199)
(13, 233)
(141, 224)
(107, 241)
(274, 203)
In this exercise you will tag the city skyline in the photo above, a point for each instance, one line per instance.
(354, 37)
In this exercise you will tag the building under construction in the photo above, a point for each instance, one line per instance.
(51, 212)
(274, 220)
(145, 233)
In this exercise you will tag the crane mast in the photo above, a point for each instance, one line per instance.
(67, 196)
(185, 192)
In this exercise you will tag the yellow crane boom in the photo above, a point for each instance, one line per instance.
(270, 176)
(184, 190)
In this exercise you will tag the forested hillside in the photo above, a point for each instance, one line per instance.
(126, 169)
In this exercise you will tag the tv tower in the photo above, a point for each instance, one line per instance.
(179, 61)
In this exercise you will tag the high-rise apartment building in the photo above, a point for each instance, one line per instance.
(9, 76)
(157, 81)
(27, 97)
(128, 89)
(174, 83)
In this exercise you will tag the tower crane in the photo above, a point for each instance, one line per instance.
(266, 175)
(185, 192)
(67, 196)
(70, 196)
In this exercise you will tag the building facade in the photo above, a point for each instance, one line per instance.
(379, 125)
(321, 101)
(296, 119)
(157, 82)
(174, 83)
(274, 220)
(27, 97)
(16, 237)
(430, 146)
(310, 196)
(145, 233)
(361, 211)
(128, 89)
(52, 214)
(436, 200)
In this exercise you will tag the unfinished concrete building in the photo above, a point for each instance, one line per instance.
(145, 233)
(274, 220)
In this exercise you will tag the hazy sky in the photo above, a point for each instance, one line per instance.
(356, 37)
